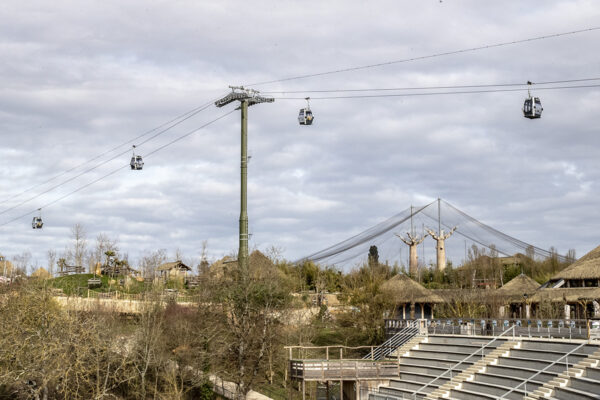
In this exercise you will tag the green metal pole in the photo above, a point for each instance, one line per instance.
(243, 251)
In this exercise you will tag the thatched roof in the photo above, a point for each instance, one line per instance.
(259, 264)
(402, 289)
(473, 296)
(587, 267)
(570, 295)
(173, 265)
(517, 287)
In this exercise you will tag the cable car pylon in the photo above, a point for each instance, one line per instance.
(247, 97)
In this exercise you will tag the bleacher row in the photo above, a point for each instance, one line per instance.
(505, 368)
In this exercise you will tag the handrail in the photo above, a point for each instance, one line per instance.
(409, 331)
(539, 372)
(463, 360)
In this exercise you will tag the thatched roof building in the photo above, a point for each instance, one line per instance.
(587, 268)
(576, 288)
(409, 297)
(566, 295)
(260, 266)
(175, 265)
(518, 288)
(174, 269)
(402, 289)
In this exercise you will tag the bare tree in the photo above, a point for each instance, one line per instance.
(21, 262)
(79, 248)
(51, 255)
(252, 299)
(203, 264)
(103, 244)
(151, 261)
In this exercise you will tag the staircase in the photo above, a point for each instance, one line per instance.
(562, 380)
(393, 343)
(468, 374)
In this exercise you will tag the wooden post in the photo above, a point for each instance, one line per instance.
(341, 390)
(327, 353)
(303, 389)
(341, 353)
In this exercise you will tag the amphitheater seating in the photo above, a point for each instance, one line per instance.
(492, 373)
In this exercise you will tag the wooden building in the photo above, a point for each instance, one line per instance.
(173, 270)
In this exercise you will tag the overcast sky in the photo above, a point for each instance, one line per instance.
(78, 78)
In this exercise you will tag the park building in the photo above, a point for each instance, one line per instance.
(515, 297)
(411, 300)
(573, 293)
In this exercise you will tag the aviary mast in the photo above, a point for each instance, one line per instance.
(440, 238)
(413, 240)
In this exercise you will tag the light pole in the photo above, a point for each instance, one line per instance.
(247, 97)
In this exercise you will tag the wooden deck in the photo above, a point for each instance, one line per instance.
(323, 370)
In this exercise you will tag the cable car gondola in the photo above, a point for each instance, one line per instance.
(36, 222)
(305, 117)
(137, 163)
(532, 108)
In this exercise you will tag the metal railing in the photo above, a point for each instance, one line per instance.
(539, 372)
(449, 370)
(531, 327)
(393, 343)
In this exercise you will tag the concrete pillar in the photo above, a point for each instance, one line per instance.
(413, 266)
(501, 311)
(403, 311)
(412, 310)
(596, 309)
(440, 246)
(422, 311)
(567, 311)
(527, 311)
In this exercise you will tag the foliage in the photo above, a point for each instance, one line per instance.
(77, 284)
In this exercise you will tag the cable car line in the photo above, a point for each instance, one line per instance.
(366, 96)
(63, 183)
(175, 121)
(292, 98)
(426, 87)
(102, 163)
(116, 170)
(187, 134)
(447, 53)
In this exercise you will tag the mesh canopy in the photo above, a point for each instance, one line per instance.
(417, 220)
